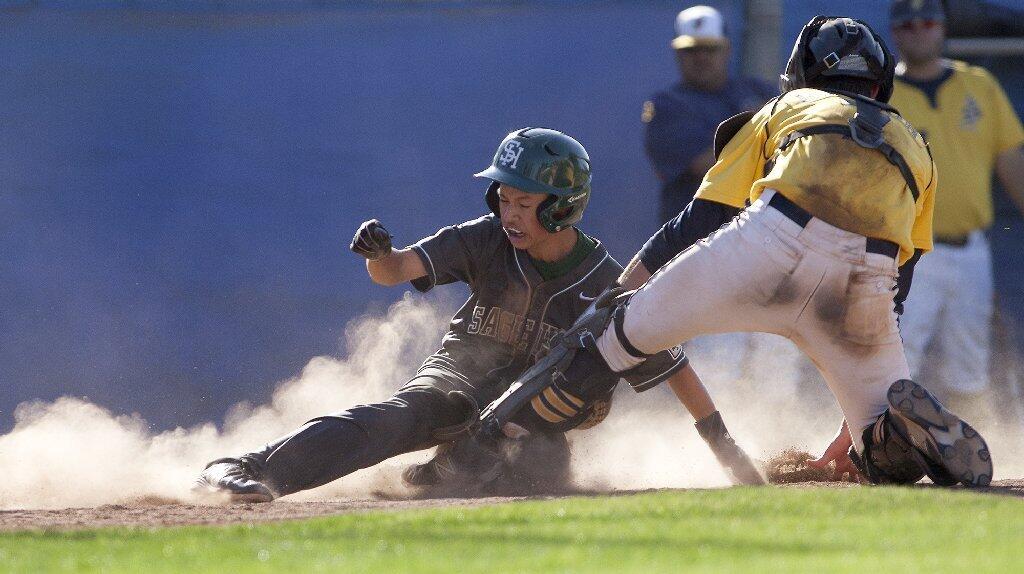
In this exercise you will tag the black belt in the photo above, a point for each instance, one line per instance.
(952, 241)
(800, 216)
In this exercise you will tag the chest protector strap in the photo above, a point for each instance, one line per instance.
(866, 128)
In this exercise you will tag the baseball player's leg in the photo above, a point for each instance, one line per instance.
(530, 447)
(900, 432)
(743, 278)
(530, 464)
(329, 447)
(965, 335)
(858, 378)
(694, 396)
(934, 290)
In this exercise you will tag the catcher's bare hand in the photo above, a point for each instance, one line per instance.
(837, 452)
(372, 241)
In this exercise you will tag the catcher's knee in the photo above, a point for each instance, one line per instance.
(887, 457)
(652, 369)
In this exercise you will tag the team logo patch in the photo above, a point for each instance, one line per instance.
(676, 351)
(971, 114)
(510, 154)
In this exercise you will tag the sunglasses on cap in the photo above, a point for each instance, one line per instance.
(916, 24)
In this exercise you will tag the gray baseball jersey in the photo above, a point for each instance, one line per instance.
(511, 314)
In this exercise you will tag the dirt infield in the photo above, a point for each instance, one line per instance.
(156, 512)
(147, 513)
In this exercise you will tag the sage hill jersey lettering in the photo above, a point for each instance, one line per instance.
(829, 175)
(511, 314)
(968, 124)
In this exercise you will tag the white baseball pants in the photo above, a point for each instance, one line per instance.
(815, 285)
(950, 304)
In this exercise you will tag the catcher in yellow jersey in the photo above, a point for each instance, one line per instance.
(826, 196)
(972, 130)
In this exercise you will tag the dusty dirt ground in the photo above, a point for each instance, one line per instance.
(157, 512)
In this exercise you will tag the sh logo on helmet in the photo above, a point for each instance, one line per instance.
(510, 156)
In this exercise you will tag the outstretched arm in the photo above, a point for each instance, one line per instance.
(398, 267)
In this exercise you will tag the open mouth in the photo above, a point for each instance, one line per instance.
(514, 233)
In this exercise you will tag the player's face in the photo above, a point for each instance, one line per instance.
(519, 217)
(919, 41)
(704, 67)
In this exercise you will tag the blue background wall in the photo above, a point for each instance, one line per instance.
(178, 187)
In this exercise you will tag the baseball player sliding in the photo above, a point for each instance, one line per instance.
(531, 275)
(840, 191)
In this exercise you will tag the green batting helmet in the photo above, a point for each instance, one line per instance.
(539, 160)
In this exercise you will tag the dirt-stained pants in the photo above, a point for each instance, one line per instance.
(815, 285)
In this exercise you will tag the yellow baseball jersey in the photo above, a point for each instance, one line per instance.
(970, 123)
(829, 175)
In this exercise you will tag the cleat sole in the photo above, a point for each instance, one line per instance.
(941, 435)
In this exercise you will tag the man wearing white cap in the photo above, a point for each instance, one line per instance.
(681, 120)
(680, 127)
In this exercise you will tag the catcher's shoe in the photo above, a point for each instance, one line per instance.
(950, 449)
(234, 479)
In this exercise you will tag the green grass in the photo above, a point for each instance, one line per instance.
(740, 529)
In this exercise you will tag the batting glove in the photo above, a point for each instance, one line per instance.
(372, 241)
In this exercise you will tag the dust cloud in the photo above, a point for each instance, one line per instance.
(761, 384)
(72, 453)
(772, 400)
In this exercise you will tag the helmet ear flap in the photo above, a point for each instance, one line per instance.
(546, 219)
(491, 197)
(888, 73)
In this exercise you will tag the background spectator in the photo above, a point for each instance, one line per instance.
(681, 120)
(972, 130)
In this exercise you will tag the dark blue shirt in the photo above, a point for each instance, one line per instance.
(680, 125)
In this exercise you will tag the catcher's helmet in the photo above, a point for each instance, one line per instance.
(539, 160)
(834, 46)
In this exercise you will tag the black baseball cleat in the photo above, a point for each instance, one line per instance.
(231, 478)
(952, 450)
